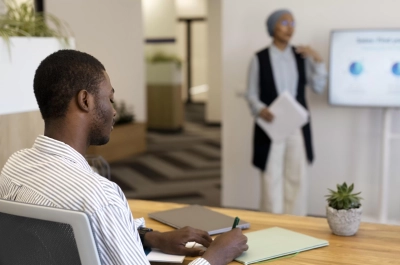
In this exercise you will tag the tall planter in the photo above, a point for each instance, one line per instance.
(18, 62)
(164, 96)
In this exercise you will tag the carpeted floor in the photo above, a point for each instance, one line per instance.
(183, 167)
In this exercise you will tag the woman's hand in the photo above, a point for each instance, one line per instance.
(307, 51)
(266, 115)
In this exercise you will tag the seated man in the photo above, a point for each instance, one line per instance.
(75, 98)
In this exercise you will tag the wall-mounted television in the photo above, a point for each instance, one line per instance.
(364, 68)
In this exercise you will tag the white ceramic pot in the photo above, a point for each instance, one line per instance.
(344, 222)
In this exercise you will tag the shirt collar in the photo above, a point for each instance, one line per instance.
(285, 52)
(54, 147)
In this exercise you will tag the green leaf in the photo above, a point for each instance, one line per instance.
(23, 20)
(343, 197)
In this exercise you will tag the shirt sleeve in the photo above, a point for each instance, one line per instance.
(117, 238)
(139, 222)
(253, 88)
(316, 75)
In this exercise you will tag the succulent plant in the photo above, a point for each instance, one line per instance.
(343, 198)
(124, 113)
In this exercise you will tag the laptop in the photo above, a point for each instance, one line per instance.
(198, 217)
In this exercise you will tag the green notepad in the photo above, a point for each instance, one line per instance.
(276, 242)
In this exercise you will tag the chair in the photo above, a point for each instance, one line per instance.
(99, 165)
(40, 235)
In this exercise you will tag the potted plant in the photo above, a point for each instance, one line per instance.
(344, 210)
(124, 114)
(26, 38)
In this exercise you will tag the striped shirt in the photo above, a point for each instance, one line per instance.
(54, 174)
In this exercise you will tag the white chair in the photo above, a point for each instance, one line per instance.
(40, 235)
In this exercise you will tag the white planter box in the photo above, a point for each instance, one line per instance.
(166, 73)
(17, 70)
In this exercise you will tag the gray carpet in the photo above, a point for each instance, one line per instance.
(183, 167)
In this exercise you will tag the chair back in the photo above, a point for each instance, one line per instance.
(40, 235)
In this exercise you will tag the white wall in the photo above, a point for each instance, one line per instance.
(347, 140)
(214, 67)
(159, 17)
(112, 32)
(193, 9)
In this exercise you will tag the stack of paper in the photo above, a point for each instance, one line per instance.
(155, 255)
(289, 116)
(276, 242)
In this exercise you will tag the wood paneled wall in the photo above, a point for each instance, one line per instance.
(18, 131)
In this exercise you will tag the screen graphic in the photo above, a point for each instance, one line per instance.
(365, 68)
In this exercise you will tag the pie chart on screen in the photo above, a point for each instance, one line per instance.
(356, 68)
(396, 69)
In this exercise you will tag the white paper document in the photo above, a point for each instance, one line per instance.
(156, 255)
(289, 116)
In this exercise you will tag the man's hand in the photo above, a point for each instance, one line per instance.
(174, 242)
(266, 115)
(307, 51)
(226, 247)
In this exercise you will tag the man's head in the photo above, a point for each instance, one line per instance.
(73, 87)
(280, 25)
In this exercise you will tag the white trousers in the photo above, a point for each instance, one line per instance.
(284, 183)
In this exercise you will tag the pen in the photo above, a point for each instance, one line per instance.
(235, 222)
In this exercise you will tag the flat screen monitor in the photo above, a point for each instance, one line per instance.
(365, 68)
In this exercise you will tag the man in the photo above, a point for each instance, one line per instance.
(274, 70)
(75, 98)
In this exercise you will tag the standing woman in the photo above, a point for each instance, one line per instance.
(278, 68)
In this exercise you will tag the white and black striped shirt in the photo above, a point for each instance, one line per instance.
(54, 174)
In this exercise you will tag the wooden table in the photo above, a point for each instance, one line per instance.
(373, 243)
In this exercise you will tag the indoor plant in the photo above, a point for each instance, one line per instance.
(21, 20)
(26, 38)
(344, 210)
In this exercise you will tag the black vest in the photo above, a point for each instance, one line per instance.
(268, 93)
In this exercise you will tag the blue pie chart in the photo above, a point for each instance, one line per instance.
(356, 68)
(396, 69)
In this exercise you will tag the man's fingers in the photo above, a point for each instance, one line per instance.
(198, 236)
(201, 238)
(208, 240)
(246, 247)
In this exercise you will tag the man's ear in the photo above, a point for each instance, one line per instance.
(84, 100)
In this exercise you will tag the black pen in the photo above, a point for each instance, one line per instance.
(235, 222)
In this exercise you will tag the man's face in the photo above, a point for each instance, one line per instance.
(104, 113)
(284, 28)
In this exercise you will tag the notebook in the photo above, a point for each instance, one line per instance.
(276, 242)
(198, 217)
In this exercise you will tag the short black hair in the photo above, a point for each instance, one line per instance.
(60, 76)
